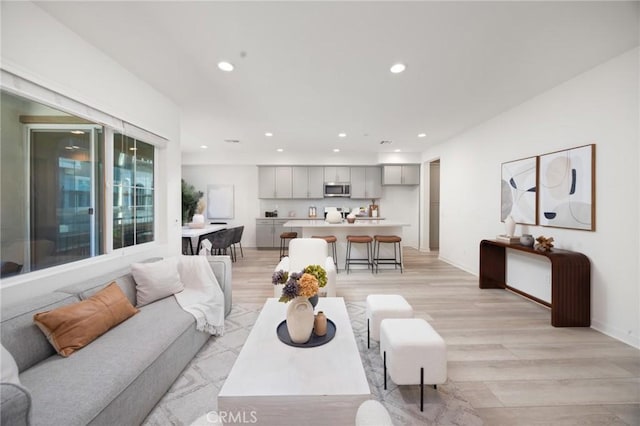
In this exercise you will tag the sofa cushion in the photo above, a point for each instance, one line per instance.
(91, 286)
(94, 376)
(72, 327)
(21, 336)
(156, 280)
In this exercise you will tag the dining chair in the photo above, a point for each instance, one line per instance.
(237, 239)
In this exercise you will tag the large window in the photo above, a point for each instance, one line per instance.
(53, 205)
(133, 191)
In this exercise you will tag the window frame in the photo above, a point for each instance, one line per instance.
(26, 89)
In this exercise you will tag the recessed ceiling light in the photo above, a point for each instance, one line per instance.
(268, 134)
(396, 150)
(336, 150)
(232, 141)
(225, 66)
(204, 146)
(398, 68)
(342, 135)
(280, 150)
(422, 135)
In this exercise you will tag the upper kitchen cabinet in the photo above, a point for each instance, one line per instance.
(274, 182)
(308, 182)
(366, 182)
(337, 174)
(406, 174)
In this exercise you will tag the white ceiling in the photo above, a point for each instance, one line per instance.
(309, 70)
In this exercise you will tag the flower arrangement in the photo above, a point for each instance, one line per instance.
(305, 283)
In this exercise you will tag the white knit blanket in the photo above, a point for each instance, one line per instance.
(202, 296)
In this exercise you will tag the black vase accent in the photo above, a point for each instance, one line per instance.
(314, 301)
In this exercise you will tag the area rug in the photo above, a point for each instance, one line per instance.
(194, 394)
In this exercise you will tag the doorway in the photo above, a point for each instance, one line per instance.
(434, 205)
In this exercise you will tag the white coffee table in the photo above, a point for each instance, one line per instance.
(277, 384)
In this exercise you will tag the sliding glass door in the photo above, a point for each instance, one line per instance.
(65, 193)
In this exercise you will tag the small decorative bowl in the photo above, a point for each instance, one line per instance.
(351, 219)
(196, 225)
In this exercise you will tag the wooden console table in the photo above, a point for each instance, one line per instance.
(570, 280)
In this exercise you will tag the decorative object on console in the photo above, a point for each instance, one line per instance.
(527, 240)
(351, 217)
(518, 194)
(506, 239)
(510, 226)
(567, 198)
(543, 243)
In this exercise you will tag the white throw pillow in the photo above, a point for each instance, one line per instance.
(156, 280)
(9, 368)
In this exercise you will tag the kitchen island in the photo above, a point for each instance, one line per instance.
(340, 230)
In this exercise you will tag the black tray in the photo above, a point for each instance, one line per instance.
(314, 340)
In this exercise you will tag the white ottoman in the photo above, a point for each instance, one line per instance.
(382, 306)
(413, 353)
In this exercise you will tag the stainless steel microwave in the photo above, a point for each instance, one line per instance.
(332, 189)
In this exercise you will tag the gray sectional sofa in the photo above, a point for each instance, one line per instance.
(116, 379)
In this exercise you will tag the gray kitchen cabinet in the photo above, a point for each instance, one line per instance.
(316, 182)
(373, 182)
(283, 182)
(279, 229)
(264, 233)
(406, 174)
(338, 174)
(307, 182)
(366, 182)
(358, 182)
(274, 182)
(268, 232)
(266, 182)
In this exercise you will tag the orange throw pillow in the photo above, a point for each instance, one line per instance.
(73, 327)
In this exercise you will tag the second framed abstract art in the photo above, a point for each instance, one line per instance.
(567, 187)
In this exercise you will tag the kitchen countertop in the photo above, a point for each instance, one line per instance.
(316, 218)
(362, 223)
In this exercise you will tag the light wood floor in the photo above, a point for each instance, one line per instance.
(509, 362)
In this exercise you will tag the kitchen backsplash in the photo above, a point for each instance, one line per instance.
(300, 208)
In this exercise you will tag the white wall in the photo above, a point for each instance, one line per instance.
(600, 107)
(245, 192)
(38, 48)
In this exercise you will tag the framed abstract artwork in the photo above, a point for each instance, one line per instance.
(518, 190)
(567, 188)
(220, 202)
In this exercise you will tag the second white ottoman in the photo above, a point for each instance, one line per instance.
(413, 353)
(382, 306)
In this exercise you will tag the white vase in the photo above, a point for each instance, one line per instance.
(334, 216)
(300, 319)
(510, 226)
(198, 218)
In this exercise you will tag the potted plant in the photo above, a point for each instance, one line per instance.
(190, 198)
